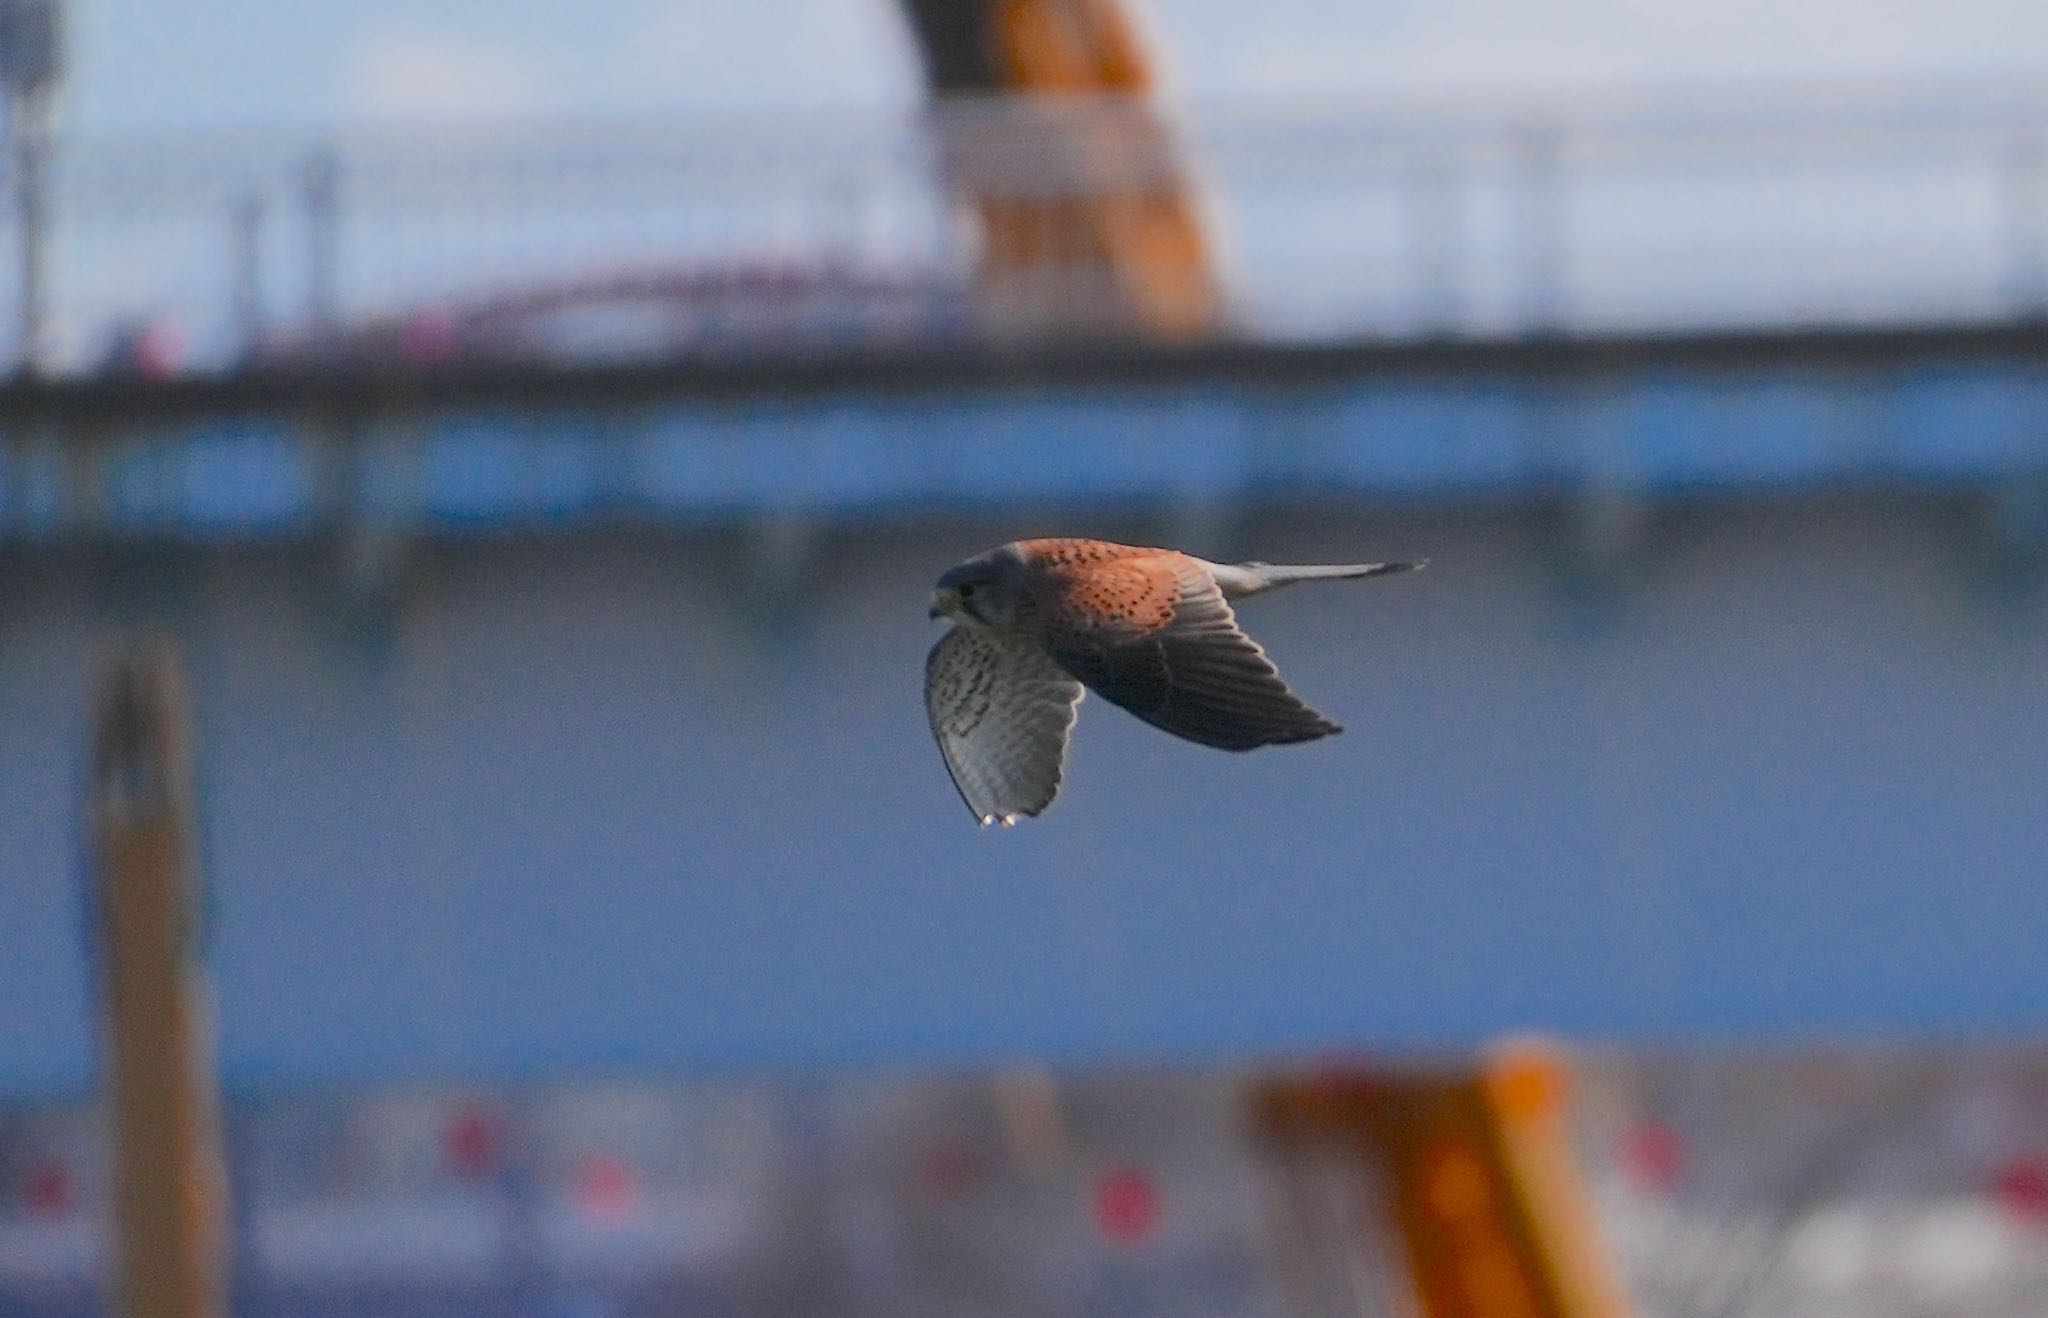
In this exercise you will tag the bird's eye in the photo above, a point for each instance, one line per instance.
(966, 590)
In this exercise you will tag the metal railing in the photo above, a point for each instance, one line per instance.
(654, 240)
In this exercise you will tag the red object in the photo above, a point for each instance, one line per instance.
(473, 1142)
(47, 1190)
(951, 1171)
(1126, 1206)
(1653, 1156)
(428, 336)
(2021, 1187)
(1346, 1075)
(160, 350)
(606, 1188)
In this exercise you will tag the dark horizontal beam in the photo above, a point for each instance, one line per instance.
(350, 391)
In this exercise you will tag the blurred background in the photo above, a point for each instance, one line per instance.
(538, 427)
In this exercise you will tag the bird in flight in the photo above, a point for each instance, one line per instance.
(1037, 621)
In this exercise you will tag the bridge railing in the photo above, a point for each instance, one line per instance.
(805, 235)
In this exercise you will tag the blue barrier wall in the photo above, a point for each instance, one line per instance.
(639, 798)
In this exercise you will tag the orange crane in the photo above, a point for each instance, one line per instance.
(1087, 220)
(1473, 1168)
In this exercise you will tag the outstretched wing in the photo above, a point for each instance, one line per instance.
(1155, 636)
(1001, 712)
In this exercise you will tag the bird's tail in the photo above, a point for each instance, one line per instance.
(1250, 578)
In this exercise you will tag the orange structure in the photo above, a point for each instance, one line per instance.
(1087, 221)
(169, 1222)
(1475, 1168)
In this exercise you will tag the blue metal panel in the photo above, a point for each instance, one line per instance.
(230, 477)
(576, 807)
(1653, 428)
(1758, 430)
(1962, 422)
(501, 466)
(32, 496)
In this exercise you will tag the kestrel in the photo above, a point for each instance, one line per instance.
(1148, 629)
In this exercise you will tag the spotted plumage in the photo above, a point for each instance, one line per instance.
(1150, 630)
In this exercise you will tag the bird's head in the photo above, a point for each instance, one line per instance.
(981, 590)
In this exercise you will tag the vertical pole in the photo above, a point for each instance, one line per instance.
(168, 1179)
(28, 134)
(2026, 222)
(247, 254)
(323, 247)
(1542, 164)
(1434, 219)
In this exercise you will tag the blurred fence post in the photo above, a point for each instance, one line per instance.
(842, 226)
(31, 68)
(2026, 221)
(246, 243)
(1541, 165)
(321, 199)
(168, 1237)
(28, 133)
(1435, 240)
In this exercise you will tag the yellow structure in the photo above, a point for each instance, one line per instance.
(1476, 1171)
(168, 1197)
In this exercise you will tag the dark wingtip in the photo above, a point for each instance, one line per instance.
(1293, 736)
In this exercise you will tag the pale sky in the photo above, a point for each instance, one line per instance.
(145, 65)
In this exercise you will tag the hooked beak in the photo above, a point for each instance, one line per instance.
(943, 603)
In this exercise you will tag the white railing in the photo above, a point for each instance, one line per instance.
(1629, 212)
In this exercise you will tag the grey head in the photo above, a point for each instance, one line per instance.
(984, 590)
